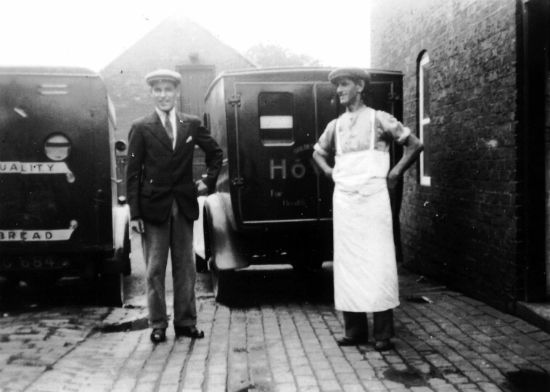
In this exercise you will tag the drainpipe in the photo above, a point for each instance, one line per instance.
(532, 44)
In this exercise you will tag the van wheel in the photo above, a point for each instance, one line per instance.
(306, 260)
(200, 264)
(220, 279)
(307, 267)
(8, 290)
(222, 286)
(126, 255)
(111, 289)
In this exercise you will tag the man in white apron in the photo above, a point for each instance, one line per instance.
(365, 270)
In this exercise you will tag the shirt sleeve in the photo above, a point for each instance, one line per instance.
(392, 127)
(326, 145)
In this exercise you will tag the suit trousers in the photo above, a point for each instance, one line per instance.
(356, 325)
(174, 235)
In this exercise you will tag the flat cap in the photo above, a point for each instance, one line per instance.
(163, 74)
(352, 73)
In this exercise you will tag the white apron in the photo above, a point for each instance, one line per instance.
(365, 270)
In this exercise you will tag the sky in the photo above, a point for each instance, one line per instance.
(92, 33)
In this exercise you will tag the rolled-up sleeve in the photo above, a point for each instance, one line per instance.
(392, 127)
(325, 145)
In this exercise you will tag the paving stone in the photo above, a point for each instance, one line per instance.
(453, 344)
(329, 385)
(288, 387)
(374, 385)
(352, 388)
(468, 387)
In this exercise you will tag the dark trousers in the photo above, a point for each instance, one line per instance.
(174, 235)
(356, 325)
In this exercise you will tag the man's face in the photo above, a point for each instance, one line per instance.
(348, 91)
(165, 94)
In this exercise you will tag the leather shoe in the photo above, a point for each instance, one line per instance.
(345, 341)
(190, 332)
(158, 335)
(383, 345)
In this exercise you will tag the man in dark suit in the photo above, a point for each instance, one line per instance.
(163, 200)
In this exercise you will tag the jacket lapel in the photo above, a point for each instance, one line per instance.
(158, 131)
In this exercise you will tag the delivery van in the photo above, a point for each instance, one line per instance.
(272, 204)
(60, 212)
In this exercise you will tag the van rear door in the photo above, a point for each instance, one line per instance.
(275, 133)
(54, 161)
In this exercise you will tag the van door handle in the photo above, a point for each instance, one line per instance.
(237, 181)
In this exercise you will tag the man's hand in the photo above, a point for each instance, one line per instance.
(322, 163)
(393, 179)
(137, 226)
(202, 189)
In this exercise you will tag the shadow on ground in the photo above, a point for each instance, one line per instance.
(276, 284)
(17, 297)
(528, 380)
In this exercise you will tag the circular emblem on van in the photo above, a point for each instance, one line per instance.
(57, 147)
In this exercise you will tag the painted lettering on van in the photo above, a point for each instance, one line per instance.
(37, 168)
(275, 194)
(23, 235)
(36, 235)
(280, 169)
(34, 168)
(294, 203)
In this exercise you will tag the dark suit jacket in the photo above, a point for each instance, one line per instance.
(157, 174)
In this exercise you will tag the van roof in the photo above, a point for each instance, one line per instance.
(47, 71)
(283, 70)
(321, 71)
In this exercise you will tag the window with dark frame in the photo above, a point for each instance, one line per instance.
(276, 118)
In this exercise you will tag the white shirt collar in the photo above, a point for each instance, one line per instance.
(163, 115)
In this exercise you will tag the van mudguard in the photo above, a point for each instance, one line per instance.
(120, 262)
(223, 249)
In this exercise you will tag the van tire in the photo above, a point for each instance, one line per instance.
(307, 259)
(221, 279)
(9, 290)
(111, 289)
(200, 264)
(222, 285)
(126, 252)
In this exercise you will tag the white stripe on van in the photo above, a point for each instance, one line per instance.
(34, 168)
(53, 89)
(276, 122)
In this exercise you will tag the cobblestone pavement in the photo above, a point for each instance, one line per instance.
(279, 337)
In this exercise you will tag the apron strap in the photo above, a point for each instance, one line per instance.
(373, 129)
(336, 136)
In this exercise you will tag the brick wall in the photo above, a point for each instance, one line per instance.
(462, 228)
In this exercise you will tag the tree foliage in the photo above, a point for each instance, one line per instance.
(270, 55)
